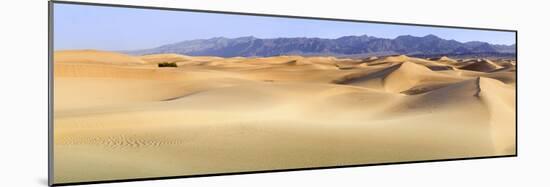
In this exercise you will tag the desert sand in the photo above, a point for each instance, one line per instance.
(118, 116)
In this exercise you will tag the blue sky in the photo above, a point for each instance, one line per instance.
(115, 28)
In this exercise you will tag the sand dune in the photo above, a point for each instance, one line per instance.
(121, 116)
(397, 78)
(433, 65)
(482, 65)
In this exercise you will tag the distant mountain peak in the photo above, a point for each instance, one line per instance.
(431, 36)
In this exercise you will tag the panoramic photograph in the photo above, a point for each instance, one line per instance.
(146, 93)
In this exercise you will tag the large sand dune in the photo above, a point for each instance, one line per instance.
(118, 116)
(483, 65)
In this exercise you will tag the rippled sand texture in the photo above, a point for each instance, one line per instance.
(119, 116)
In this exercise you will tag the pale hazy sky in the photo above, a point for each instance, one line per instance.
(115, 28)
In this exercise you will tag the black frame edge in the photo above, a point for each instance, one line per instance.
(51, 181)
(517, 93)
(279, 170)
(50, 94)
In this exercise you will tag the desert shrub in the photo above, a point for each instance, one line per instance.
(167, 64)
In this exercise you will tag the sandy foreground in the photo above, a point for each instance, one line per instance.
(118, 116)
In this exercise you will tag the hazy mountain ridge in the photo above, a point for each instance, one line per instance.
(343, 46)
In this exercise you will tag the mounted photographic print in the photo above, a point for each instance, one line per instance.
(141, 93)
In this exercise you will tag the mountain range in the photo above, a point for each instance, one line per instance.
(344, 46)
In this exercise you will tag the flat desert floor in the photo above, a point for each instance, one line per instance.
(118, 116)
